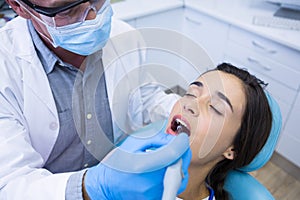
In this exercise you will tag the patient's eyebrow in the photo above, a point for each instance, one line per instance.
(197, 83)
(222, 96)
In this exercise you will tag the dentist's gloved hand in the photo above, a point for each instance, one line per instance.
(136, 169)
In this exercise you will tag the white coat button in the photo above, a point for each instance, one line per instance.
(53, 126)
(89, 142)
(86, 165)
(89, 116)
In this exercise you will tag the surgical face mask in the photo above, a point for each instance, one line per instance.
(83, 38)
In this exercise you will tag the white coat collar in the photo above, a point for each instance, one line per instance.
(34, 75)
(20, 35)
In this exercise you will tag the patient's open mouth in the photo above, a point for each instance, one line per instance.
(179, 125)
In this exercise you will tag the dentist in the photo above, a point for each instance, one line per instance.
(49, 118)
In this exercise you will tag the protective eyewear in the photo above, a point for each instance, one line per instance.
(51, 12)
(70, 13)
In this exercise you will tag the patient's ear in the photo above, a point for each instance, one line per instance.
(229, 153)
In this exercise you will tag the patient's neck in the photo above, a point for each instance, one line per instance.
(196, 188)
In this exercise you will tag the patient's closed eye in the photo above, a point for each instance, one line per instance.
(190, 95)
(216, 110)
(194, 91)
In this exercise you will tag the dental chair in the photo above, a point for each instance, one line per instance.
(242, 186)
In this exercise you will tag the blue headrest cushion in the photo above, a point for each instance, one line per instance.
(265, 154)
(242, 186)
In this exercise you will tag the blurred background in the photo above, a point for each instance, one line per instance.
(262, 36)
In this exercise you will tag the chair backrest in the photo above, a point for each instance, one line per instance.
(239, 184)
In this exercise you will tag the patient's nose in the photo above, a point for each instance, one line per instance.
(191, 107)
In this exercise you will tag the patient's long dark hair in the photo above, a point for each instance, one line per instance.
(253, 133)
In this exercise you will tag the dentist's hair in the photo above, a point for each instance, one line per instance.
(253, 133)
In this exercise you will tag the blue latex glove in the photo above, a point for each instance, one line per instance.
(136, 169)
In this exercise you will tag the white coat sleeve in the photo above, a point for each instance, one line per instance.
(21, 172)
(22, 176)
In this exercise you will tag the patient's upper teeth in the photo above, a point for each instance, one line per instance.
(181, 122)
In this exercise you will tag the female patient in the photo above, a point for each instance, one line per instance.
(228, 117)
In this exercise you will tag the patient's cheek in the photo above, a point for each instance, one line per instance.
(207, 138)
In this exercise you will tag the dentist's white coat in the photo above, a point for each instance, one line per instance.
(29, 123)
